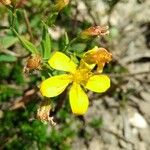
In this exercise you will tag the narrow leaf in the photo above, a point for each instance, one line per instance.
(7, 58)
(46, 43)
(27, 45)
(66, 39)
(8, 41)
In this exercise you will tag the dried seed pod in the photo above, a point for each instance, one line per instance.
(33, 63)
(43, 112)
(5, 2)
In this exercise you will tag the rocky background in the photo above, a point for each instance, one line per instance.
(125, 109)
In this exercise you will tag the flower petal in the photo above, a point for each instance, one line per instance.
(84, 65)
(78, 100)
(98, 83)
(60, 61)
(87, 55)
(53, 86)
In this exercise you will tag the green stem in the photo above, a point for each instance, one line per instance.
(69, 44)
(14, 31)
(13, 11)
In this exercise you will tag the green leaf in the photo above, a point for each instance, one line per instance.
(46, 43)
(66, 39)
(8, 41)
(7, 58)
(78, 47)
(52, 18)
(5, 70)
(27, 45)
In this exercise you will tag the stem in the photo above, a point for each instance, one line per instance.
(69, 44)
(117, 135)
(28, 25)
(13, 11)
(14, 31)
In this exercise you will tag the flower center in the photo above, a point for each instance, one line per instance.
(81, 76)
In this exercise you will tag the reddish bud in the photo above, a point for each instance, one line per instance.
(93, 32)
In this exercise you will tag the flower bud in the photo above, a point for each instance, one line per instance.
(97, 56)
(33, 63)
(60, 4)
(5, 2)
(93, 32)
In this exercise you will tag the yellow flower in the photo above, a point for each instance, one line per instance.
(96, 56)
(79, 77)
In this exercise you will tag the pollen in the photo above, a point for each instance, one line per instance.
(81, 76)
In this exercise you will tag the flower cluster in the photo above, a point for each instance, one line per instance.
(79, 77)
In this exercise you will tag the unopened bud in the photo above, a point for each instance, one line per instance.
(60, 4)
(93, 32)
(5, 2)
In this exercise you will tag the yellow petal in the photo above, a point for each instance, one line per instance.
(90, 52)
(98, 83)
(78, 100)
(100, 67)
(84, 65)
(55, 85)
(60, 61)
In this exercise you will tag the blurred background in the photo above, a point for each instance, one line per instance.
(116, 120)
